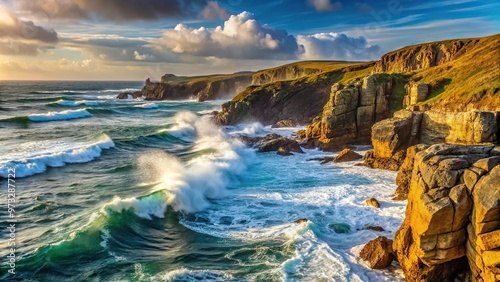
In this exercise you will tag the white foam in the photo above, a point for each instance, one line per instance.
(248, 129)
(189, 187)
(77, 103)
(38, 156)
(183, 274)
(147, 106)
(64, 115)
(324, 194)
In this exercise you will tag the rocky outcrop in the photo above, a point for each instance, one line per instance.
(200, 88)
(129, 95)
(392, 137)
(347, 155)
(378, 253)
(416, 92)
(422, 56)
(286, 72)
(453, 215)
(405, 172)
(299, 102)
(351, 111)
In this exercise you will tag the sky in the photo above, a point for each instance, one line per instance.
(139, 39)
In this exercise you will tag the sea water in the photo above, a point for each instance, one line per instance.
(133, 190)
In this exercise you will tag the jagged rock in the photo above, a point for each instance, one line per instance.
(488, 163)
(445, 228)
(372, 202)
(302, 220)
(393, 163)
(417, 93)
(284, 152)
(405, 172)
(420, 56)
(375, 228)
(129, 95)
(378, 253)
(347, 155)
(284, 123)
(471, 127)
(269, 145)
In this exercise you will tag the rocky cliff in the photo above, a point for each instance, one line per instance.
(295, 71)
(455, 75)
(392, 137)
(351, 111)
(299, 100)
(423, 56)
(201, 88)
(452, 223)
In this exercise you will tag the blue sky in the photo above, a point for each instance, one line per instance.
(136, 39)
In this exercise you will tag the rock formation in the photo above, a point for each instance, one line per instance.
(453, 215)
(347, 155)
(392, 137)
(422, 56)
(351, 111)
(378, 253)
(200, 88)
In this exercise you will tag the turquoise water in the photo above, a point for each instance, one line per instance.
(132, 190)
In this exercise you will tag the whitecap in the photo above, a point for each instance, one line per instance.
(64, 115)
(55, 154)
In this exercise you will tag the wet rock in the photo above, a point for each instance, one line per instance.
(378, 253)
(302, 220)
(372, 202)
(282, 151)
(375, 228)
(347, 155)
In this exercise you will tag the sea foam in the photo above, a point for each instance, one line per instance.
(189, 187)
(64, 115)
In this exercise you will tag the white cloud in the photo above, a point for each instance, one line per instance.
(213, 11)
(241, 37)
(325, 5)
(337, 46)
(142, 57)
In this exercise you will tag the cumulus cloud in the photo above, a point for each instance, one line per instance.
(337, 46)
(18, 37)
(325, 5)
(241, 37)
(142, 57)
(123, 10)
(213, 11)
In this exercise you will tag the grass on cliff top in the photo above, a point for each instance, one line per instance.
(472, 81)
(341, 73)
(207, 78)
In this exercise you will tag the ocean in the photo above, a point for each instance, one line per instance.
(134, 190)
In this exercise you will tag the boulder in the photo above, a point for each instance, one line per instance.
(372, 202)
(347, 155)
(284, 123)
(378, 253)
(282, 151)
(302, 220)
(274, 144)
(375, 228)
(129, 95)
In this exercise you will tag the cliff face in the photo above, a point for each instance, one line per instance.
(351, 111)
(453, 215)
(392, 137)
(210, 88)
(295, 71)
(456, 75)
(422, 56)
(298, 101)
